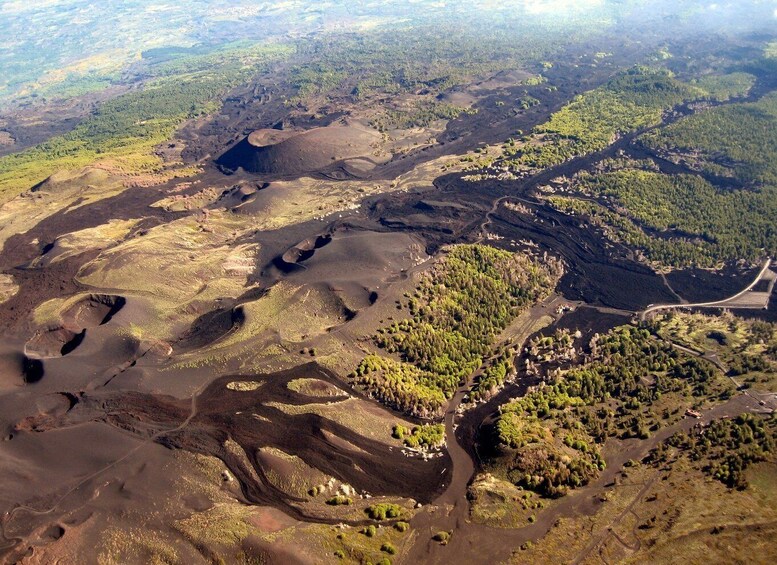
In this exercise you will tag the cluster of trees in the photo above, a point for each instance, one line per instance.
(525, 102)
(463, 303)
(738, 139)
(470, 296)
(550, 472)
(427, 436)
(339, 500)
(401, 385)
(625, 373)
(761, 331)
(383, 511)
(494, 375)
(457, 311)
(590, 122)
(742, 363)
(726, 448)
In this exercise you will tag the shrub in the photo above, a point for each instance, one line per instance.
(339, 500)
(383, 510)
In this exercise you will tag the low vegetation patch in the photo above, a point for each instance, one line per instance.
(498, 503)
(746, 346)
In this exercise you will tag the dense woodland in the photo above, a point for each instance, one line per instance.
(550, 438)
(689, 222)
(631, 101)
(722, 88)
(738, 140)
(456, 314)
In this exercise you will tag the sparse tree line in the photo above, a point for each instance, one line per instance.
(726, 448)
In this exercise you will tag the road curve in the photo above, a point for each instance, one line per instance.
(717, 303)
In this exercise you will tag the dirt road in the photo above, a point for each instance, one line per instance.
(735, 301)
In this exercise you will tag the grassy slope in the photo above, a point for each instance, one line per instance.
(124, 131)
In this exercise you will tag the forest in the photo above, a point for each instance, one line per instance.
(457, 312)
(722, 88)
(715, 225)
(659, 252)
(126, 128)
(736, 140)
(422, 114)
(633, 100)
(406, 60)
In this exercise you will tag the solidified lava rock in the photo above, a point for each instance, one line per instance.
(33, 370)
